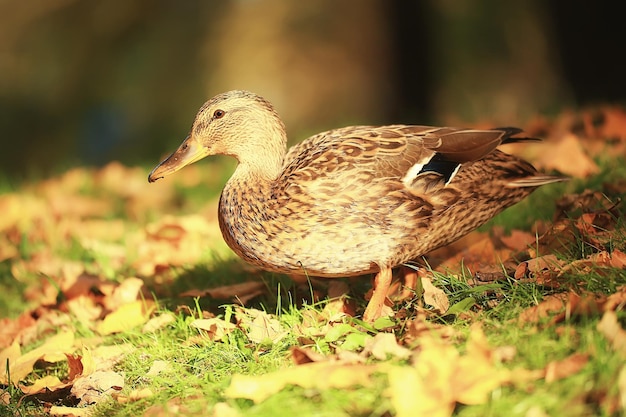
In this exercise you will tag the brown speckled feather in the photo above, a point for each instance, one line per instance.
(354, 200)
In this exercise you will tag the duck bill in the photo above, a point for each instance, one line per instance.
(187, 153)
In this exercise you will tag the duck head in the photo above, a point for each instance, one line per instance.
(236, 123)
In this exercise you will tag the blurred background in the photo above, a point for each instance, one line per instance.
(85, 83)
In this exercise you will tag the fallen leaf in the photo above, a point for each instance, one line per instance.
(242, 292)
(260, 327)
(126, 317)
(11, 328)
(537, 266)
(97, 386)
(556, 370)
(384, 345)
(318, 375)
(610, 327)
(222, 409)
(158, 322)
(216, 328)
(550, 304)
(410, 395)
(48, 382)
(435, 296)
(53, 350)
(158, 367)
(134, 395)
(57, 410)
(616, 299)
(572, 160)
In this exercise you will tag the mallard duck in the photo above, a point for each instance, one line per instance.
(350, 201)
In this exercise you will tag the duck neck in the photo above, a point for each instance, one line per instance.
(263, 157)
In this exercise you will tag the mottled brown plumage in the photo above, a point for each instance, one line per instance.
(350, 201)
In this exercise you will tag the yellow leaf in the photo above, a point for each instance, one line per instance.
(411, 396)
(319, 375)
(261, 326)
(476, 374)
(48, 382)
(134, 395)
(10, 354)
(384, 344)
(224, 410)
(126, 317)
(53, 350)
(57, 410)
(216, 328)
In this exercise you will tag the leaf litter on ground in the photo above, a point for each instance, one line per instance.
(85, 260)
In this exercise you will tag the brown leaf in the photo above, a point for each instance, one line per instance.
(618, 259)
(518, 240)
(241, 292)
(566, 155)
(11, 328)
(550, 304)
(435, 296)
(616, 299)
(610, 327)
(538, 266)
(301, 355)
(556, 370)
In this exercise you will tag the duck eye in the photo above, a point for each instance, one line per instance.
(218, 114)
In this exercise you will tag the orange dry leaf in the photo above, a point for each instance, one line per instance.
(10, 329)
(241, 292)
(556, 370)
(548, 264)
(616, 299)
(565, 155)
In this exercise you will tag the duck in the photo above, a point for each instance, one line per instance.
(352, 201)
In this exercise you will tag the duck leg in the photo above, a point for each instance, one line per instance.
(381, 286)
